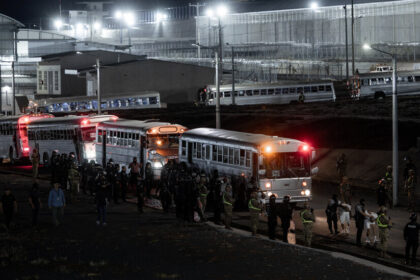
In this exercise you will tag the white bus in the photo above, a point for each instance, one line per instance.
(250, 94)
(13, 135)
(149, 141)
(379, 85)
(280, 166)
(65, 135)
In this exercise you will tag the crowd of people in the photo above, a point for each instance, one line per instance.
(192, 193)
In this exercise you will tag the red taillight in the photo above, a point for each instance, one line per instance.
(114, 118)
(304, 148)
(85, 122)
(26, 149)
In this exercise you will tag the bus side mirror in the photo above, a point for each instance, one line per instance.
(314, 171)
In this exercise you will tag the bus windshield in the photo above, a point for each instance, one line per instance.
(284, 165)
(166, 141)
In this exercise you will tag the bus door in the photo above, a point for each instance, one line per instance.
(255, 165)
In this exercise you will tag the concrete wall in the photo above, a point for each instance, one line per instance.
(176, 82)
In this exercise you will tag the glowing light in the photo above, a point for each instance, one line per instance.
(269, 193)
(307, 192)
(154, 131)
(222, 10)
(159, 142)
(268, 185)
(304, 184)
(26, 149)
(97, 25)
(210, 13)
(114, 118)
(314, 5)
(58, 23)
(85, 122)
(118, 15)
(302, 192)
(129, 18)
(366, 47)
(161, 16)
(157, 164)
(268, 149)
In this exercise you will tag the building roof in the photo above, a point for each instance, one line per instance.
(95, 53)
(8, 20)
(71, 120)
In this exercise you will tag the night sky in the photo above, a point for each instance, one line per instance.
(31, 11)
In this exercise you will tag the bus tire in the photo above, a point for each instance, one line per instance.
(45, 158)
(11, 157)
(379, 95)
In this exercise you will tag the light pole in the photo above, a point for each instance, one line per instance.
(352, 36)
(98, 81)
(394, 123)
(347, 43)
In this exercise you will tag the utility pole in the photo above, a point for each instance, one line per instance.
(352, 37)
(347, 43)
(216, 57)
(98, 81)
(233, 76)
(394, 132)
(13, 73)
(197, 32)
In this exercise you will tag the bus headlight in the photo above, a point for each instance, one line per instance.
(157, 164)
(267, 185)
(269, 193)
(307, 192)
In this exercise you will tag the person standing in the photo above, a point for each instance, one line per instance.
(217, 199)
(344, 211)
(203, 192)
(102, 201)
(35, 158)
(286, 214)
(228, 202)
(35, 203)
(384, 224)
(345, 190)
(308, 218)
(388, 184)
(8, 206)
(410, 186)
(74, 180)
(134, 172)
(411, 237)
(360, 215)
(272, 214)
(382, 193)
(57, 203)
(331, 213)
(255, 208)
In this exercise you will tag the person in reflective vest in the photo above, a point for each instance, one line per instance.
(308, 218)
(384, 224)
(228, 205)
(255, 208)
(389, 185)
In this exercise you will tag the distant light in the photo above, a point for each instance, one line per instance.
(161, 16)
(6, 89)
(79, 27)
(210, 12)
(78, 52)
(58, 23)
(97, 25)
(268, 149)
(314, 5)
(366, 47)
(129, 18)
(222, 10)
(118, 15)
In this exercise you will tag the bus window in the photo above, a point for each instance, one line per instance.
(321, 88)
(227, 94)
(99, 135)
(220, 153)
(241, 93)
(256, 92)
(285, 91)
(214, 153)
(373, 82)
(225, 155)
(410, 79)
(212, 95)
(380, 80)
(292, 90)
(194, 150)
(198, 150)
(328, 88)
(248, 158)
(263, 92)
(278, 90)
(314, 89)
(300, 90)
(306, 89)
(230, 155)
(236, 157)
(388, 80)
(236, 93)
(242, 157)
(248, 93)
(270, 91)
(184, 148)
(207, 147)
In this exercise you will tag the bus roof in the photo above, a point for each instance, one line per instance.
(72, 120)
(287, 83)
(136, 124)
(237, 137)
(389, 74)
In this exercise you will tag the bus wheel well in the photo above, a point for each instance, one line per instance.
(379, 95)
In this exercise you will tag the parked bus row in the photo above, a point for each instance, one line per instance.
(279, 166)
